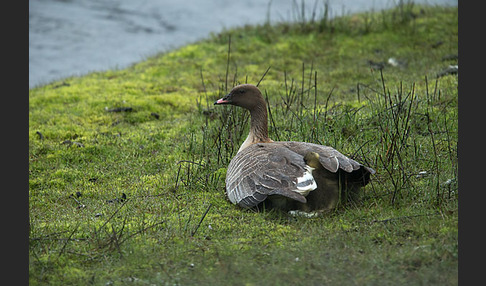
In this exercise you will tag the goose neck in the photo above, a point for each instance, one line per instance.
(259, 124)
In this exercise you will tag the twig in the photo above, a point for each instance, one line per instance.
(142, 230)
(108, 220)
(177, 178)
(227, 64)
(80, 205)
(315, 96)
(408, 115)
(67, 240)
(202, 218)
(204, 88)
(327, 102)
(431, 132)
(301, 98)
(41, 137)
(263, 76)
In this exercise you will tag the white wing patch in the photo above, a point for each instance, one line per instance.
(306, 183)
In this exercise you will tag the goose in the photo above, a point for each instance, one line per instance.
(286, 175)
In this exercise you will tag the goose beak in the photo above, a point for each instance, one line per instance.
(224, 100)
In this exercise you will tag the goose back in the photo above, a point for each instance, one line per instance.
(330, 158)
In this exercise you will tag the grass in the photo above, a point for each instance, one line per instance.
(127, 167)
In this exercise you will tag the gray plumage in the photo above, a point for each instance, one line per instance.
(262, 170)
(265, 169)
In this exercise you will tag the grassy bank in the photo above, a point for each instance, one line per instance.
(127, 167)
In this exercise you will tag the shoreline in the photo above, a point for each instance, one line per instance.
(73, 39)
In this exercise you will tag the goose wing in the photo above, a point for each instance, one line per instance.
(265, 169)
(331, 159)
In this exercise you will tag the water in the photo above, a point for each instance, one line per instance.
(75, 37)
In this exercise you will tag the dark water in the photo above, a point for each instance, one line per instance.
(74, 37)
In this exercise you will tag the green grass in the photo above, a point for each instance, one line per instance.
(169, 155)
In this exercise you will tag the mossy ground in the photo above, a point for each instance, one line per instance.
(168, 152)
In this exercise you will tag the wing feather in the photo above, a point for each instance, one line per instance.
(261, 170)
(330, 158)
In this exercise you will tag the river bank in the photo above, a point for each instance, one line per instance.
(72, 38)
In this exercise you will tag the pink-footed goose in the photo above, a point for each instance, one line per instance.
(292, 175)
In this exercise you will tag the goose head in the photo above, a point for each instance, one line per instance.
(245, 95)
(249, 97)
